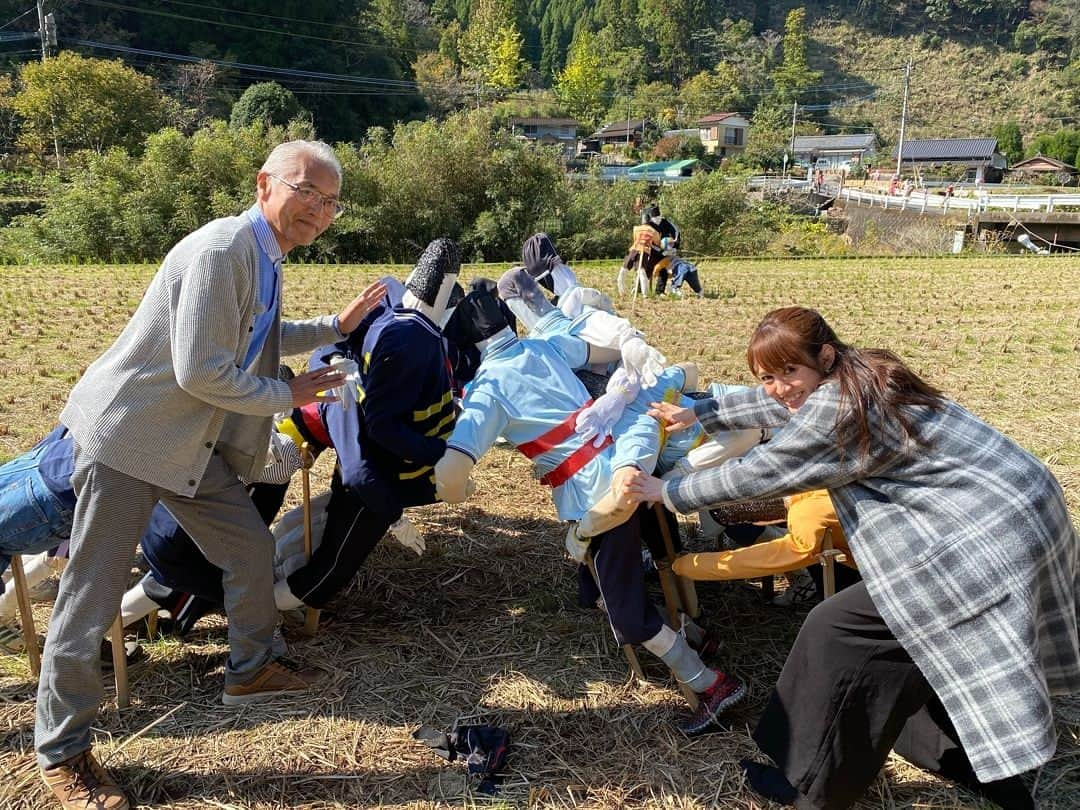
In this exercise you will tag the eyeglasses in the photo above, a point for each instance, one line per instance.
(310, 196)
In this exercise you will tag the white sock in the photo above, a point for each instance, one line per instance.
(283, 597)
(136, 605)
(660, 644)
(36, 568)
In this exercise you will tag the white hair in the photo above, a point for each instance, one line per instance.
(287, 156)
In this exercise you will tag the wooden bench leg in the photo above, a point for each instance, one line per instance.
(120, 674)
(311, 615)
(26, 616)
(675, 597)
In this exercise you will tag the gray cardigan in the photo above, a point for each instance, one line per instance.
(170, 388)
(966, 547)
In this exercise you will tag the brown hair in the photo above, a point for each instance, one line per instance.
(869, 379)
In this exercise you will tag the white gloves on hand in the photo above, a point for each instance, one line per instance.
(406, 534)
(598, 420)
(642, 361)
(346, 392)
(574, 302)
(577, 546)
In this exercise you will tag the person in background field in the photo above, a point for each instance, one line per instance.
(177, 410)
(655, 261)
(965, 623)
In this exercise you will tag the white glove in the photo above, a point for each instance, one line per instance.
(592, 297)
(406, 534)
(577, 546)
(346, 392)
(574, 302)
(598, 420)
(642, 361)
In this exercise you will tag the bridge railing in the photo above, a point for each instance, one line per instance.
(939, 204)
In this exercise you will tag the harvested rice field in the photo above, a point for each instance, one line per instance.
(485, 626)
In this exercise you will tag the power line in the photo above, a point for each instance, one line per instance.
(232, 11)
(256, 29)
(16, 19)
(307, 74)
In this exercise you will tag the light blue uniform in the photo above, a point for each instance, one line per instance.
(674, 446)
(525, 389)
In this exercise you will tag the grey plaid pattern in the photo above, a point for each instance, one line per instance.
(967, 550)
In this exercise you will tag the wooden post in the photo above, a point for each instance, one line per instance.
(674, 595)
(311, 615)
(123, 697)
(26, 616)
(828, 558)
(685, 591)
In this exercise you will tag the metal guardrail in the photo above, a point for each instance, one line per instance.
(922, 202)
(767, 183)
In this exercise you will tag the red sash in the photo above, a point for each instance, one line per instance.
(569, 466)
(554, 437)
(574, 462)
(314, 424)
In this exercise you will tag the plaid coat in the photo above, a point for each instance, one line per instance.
(966, 547)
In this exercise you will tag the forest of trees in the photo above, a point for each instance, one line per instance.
(353, 64)
(150, 117)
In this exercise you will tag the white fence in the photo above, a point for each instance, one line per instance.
(922, 202)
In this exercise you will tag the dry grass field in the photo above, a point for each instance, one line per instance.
(484, 627)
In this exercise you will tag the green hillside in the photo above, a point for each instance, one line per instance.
(957, 89)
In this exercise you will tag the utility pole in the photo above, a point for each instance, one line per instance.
(41, 30)
(791, 143)
(47, 32)
(903, 120)
(628, 97)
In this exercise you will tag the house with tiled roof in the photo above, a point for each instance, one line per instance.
(558, 132)
(1044, 169)
(723, 133)
(979, 156)
(834, 152)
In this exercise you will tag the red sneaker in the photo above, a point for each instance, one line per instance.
(727, 692)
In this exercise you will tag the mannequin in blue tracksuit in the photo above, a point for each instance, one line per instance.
(526, 392)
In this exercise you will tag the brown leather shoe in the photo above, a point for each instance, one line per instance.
(80, 783)
(275, 679)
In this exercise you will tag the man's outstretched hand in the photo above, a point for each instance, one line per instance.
(306, 387)
(360, 306)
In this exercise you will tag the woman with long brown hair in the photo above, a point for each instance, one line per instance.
(965, 623)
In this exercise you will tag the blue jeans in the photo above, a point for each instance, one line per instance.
(32, 518)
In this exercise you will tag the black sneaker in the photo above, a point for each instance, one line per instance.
(728, 691)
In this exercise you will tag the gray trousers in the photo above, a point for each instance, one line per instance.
(112, 511)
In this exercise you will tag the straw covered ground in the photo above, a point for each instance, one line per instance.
(485, 626)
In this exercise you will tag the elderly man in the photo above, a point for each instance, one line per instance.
(177, 410)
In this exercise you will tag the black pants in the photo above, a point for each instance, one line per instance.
(353, 529)
(693, 281)
(617, 556)
(848, 694)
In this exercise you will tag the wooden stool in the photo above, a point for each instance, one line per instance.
(29, 633)
(828, 557)
(307, 460)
